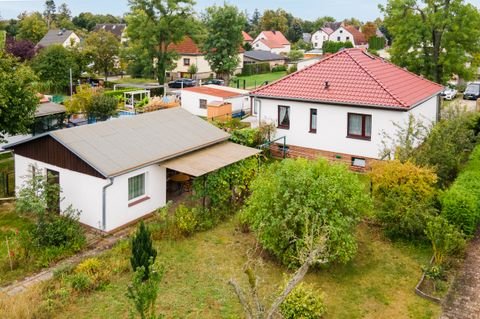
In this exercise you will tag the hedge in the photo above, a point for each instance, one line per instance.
(376, 43)
(461, 203)
(257, 68)
(334, 47)
(118, 93)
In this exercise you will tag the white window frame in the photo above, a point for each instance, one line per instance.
(139, 196)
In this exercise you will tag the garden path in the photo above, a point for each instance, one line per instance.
(95, 247)
(463, 299)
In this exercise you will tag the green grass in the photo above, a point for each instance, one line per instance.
(256, 80)
(10, 224)
(7, 166)
(378, 283)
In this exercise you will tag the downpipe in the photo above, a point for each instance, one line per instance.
(104, 203)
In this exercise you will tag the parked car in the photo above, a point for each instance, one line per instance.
(472, 92)
(182, 83)
(449, 94)
(214, 81)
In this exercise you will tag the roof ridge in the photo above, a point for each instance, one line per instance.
(294, 73)
(383, 86)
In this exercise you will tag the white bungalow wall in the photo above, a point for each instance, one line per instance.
(84, 193)
(191, 102)
(332, 125)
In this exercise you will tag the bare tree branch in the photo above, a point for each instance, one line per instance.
(241, 298)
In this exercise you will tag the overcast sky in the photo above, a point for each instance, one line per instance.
(306, 9)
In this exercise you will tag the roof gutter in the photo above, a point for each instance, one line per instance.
(104, 203)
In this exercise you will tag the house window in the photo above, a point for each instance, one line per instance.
(256, 107)
(339, 39)
(284, 117)
(203, 103)
(359, 126)
(186, 62)
(316, 44)
(348, 38)
(313, 121)
(324, 37)
(341, 31)
(359, 162)
(136, 186)
(316, 37)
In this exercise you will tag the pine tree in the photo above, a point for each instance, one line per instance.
(143, 253)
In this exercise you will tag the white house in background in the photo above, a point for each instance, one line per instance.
(66, 38)
(196, 99)
(273, 41)
(117, 171)
(339, 107)
(339, 33)
(117, 29)
(190, 53)
(319, 37)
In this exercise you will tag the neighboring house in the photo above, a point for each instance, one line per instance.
(196, 99)
(116, 172)
(66, 38)
(49, 116)
(305, 63)
(340, 107)
(247, 38)
(273, 41)
(117, 29)
(253, 57)
(319, 37)
(189, 53)
(338, 32)
(307, 37)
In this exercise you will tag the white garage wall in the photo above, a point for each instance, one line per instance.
(332, 125)
(118, 211)
(83, 192)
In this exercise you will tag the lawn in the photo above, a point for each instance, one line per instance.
(10, 224)
(135, 80)
(253, 81)
(6, 167)
(378, 283)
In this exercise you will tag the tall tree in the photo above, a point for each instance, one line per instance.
(53, 65)
(156, 24)
(274, 20)
(434, 38)
(354, 22)
(369, 30)
(295, 31)
(320, 22)
(103, 48)
(64, 17)
(32, 27)
(255, 22)
(224, 39)
(22, 49)
(49, 13)
(18, 101)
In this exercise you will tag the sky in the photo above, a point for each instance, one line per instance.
(364, 10)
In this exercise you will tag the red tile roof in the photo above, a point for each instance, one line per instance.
(276, 36)
(354, 77)
(358, 36)
(224, 94)
(246, 37)
(271, 44)
(187, 46)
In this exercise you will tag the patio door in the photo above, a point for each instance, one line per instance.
(53, 180)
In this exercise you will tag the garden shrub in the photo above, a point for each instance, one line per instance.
(143, 252)
(294, 198)
(446, 239)
(90, 274)
(80, 282)
(303, 302)
(292, 69)
(461, 203)
(185, 220)
(404, 195)
(376, 43)
(334, 46)
(255, 68)
(279, 68)
(448, 145)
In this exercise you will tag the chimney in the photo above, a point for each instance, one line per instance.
(327, 85)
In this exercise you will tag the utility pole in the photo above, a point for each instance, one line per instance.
(71, 83)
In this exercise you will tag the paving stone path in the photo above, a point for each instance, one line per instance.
(95, 247)
(463, 300)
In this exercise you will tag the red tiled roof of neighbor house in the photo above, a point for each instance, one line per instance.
(276, 36)
(246, 37)
(271, 44)
(358, 36)
(224, 94)
(353, 77)
(327, 30)
(188, 47)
